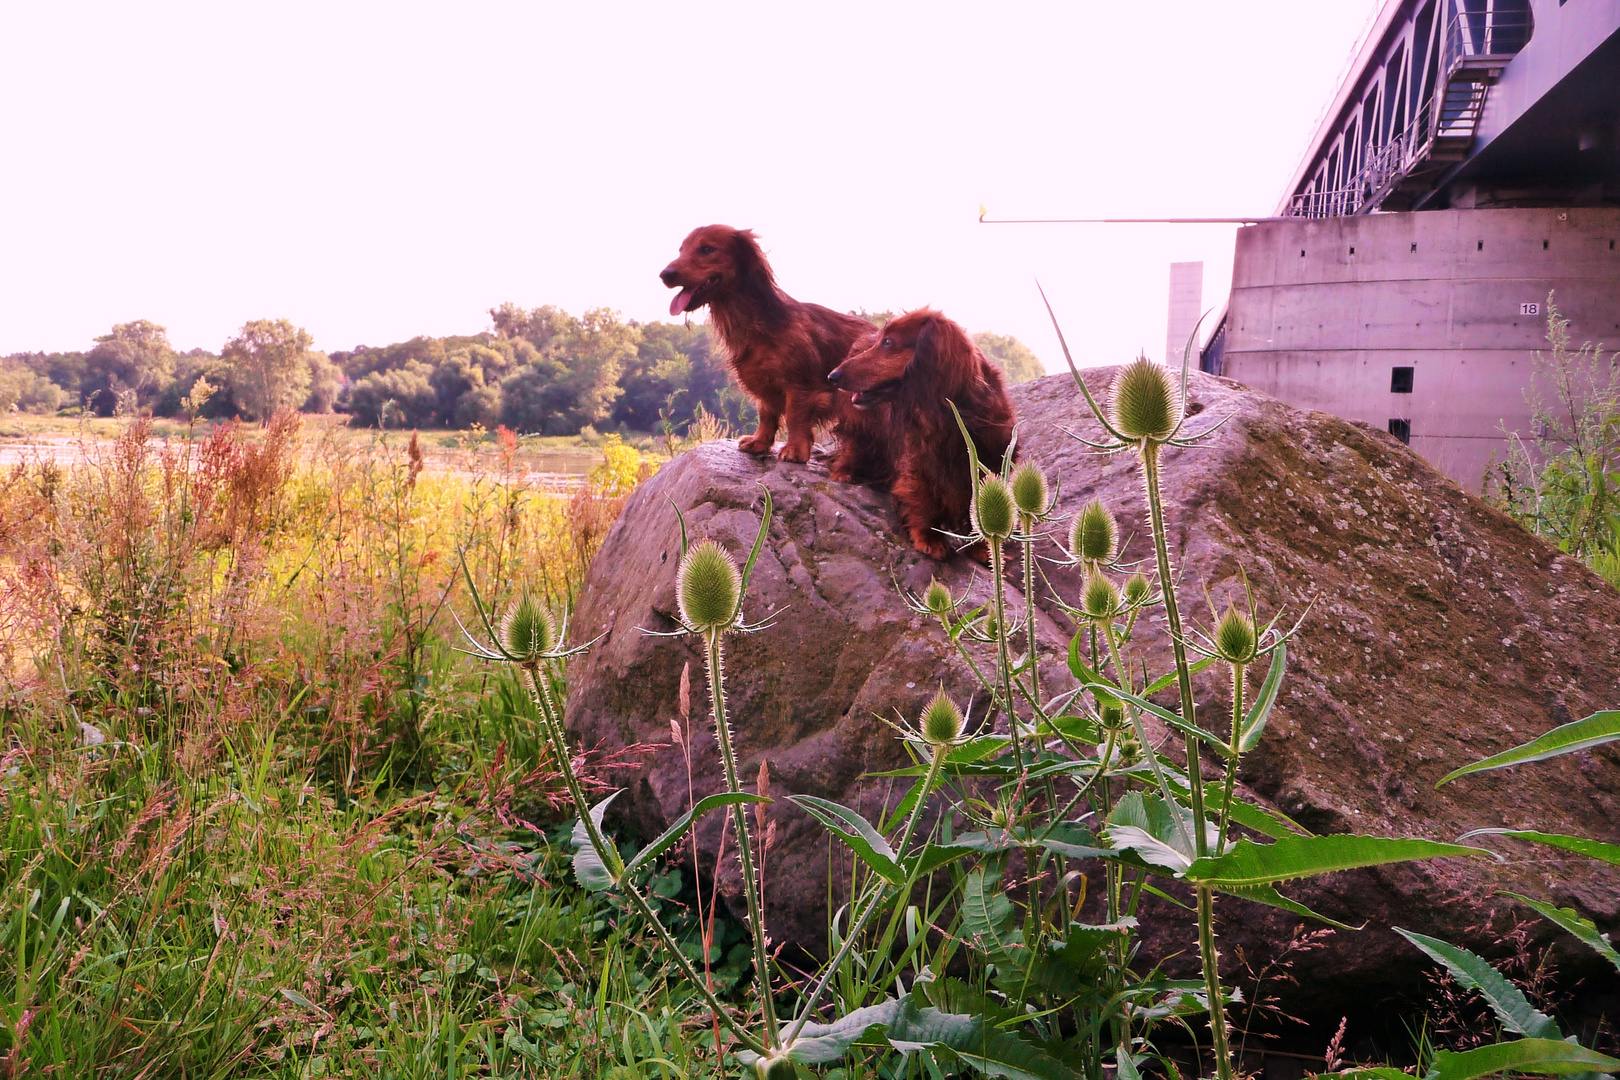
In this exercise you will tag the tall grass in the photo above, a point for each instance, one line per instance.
(259, 818)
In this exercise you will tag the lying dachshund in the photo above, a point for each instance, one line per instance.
(917, 365)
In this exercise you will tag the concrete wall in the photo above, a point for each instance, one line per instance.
(1322, 310)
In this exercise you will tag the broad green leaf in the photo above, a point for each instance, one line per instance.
(856, 833)
(673, 834)
(1473, 972)
(1382, 1073)
(934, 856)
(1592, 849)
(987, 917)
(1079, 728)
(1522, 1055)
(1090, 679)
(1146, 825)
(1595, 730)
(1083, 940)
(1254, 723)
(1265, 894)
(1571, 920)
(588, 866)
(1072, 840)
(821, 1044)
(988, 1050)
(1292, 857)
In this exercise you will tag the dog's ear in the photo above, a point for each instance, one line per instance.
(927, 344)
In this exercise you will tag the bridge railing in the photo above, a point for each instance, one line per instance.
(1476, 45)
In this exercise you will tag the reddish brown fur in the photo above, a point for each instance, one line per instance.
(781, 351)
(919, 364)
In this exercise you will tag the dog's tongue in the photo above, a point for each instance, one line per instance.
(682, 298)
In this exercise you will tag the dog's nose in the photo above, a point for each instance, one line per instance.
(835, 376)
(667, 276)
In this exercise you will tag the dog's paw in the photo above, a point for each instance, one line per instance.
(932, 546)
(796, 454)
(753, 444)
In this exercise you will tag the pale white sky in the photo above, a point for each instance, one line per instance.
(377, 171)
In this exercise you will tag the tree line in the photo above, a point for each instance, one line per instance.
(536, 370)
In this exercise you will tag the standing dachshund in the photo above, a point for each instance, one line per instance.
(781, 351)
(918, 365)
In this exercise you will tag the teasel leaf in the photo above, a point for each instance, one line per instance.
(1247, 863)
(1595, 730)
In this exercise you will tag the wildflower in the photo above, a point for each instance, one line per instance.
(993, 509)
(529, 630)
(1100, 600)
(938, 599)
(1137, 590)
(708, 587)
(1144, 403)
(1094, 537)
(1235, 639)
(941, 722)
(1030, 492)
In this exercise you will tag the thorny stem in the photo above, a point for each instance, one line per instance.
(876, 900)
(714, 657)
(998, 589)
(1232, 762)
(1028, 527)
(1148, 750)
(610, 858)
(1195, 781)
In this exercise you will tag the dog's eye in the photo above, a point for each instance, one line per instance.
(888, 343)
(706, 249)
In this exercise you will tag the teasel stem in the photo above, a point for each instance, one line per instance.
(1195, 780)
(550, 720)
(1148, 751)
(715, 659)
(874, 902)
(998, 589)
(1232, 762)
(1027, 526)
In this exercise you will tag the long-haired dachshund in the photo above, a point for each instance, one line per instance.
(917, 365)
(781, 351)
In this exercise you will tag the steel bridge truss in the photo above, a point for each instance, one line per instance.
(1415, 108)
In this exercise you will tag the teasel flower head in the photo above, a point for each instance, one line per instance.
(1137, 590)
(528, 631)
(1100, 599)
(938, 599)
(1144, 403)
(1094, 537)
(941, 723)
(1030, 491)
(708, 587)
(1235, 639)
(993, 509)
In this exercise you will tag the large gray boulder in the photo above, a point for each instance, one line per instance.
(1440, 632)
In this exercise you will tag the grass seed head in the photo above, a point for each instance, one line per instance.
(1100, 599)
(529, 630)
(708, 587)
(941, 722)
(1095, 534)
(1144, 403)
(1030, 491)
(993, 509)
(1235, 640)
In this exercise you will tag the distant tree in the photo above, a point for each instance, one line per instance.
(401, 397)
(135, 357)
(325, 383)
(1015, 358)
(540, 327)
(268, 367)
(26, 390)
